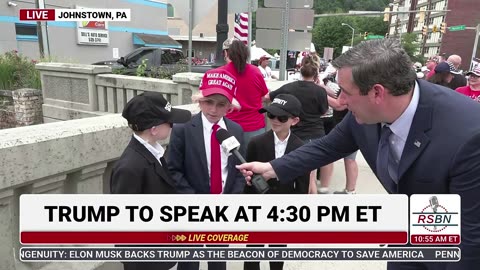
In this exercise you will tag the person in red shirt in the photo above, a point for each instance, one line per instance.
(431, 64)
(472, 90)
(251, 89)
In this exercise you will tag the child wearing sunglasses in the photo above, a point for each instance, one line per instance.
(283, 113)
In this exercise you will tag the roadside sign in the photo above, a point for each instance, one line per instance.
(235, 6)
(271, 18)
(293, 4)
(374, 37)
(457, 27)
(270, 38)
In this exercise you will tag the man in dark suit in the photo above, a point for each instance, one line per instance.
(197, 162)
(417, 137)
(283, 112)
(141, 168)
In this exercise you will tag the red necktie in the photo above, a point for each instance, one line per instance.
(215, 163)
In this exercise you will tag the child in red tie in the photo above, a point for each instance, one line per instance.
(197, 162)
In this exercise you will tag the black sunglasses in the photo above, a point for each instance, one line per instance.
(282, 118)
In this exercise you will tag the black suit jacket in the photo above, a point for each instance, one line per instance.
(139, 172)
(187, 158)
(262, 148)
(441, 156)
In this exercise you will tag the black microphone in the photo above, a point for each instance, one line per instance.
(230, 144)
(434, 205)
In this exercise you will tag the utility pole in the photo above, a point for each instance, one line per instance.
(222, 31)
(190, 34)
(284, 48)
(42, 33)
(427, 19)
(475, 45)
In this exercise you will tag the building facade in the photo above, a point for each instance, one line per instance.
(433, 40)
(204, 33)
(61, 39)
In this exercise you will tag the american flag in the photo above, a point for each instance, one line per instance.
(241, 27)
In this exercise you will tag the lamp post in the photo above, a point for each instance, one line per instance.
(353, 31)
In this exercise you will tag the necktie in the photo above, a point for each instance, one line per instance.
(386, 166)
(215, 163)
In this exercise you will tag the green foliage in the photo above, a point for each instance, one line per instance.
(17, 71)
(338, 6)
(329, 31)
(167, 73)
(411, 46)
(140, 72)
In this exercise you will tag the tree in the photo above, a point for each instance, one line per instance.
(329, 32)
(411, 47)
(337, 6)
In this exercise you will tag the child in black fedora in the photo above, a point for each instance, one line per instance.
(142, 168)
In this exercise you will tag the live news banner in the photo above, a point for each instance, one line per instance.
(59, 220)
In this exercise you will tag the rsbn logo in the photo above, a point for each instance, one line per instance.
(434, 217)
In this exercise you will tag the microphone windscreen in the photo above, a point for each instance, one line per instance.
(222, 135)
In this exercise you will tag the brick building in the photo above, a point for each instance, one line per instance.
(456, 12)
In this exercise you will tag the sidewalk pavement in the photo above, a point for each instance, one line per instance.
(367, 183)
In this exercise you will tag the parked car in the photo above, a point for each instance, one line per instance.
(154, 57)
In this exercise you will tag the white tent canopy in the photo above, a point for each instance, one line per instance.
(256, 53)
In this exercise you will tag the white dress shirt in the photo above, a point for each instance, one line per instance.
(156, 150)
(401, 127)
(207, 133)
(280, 146)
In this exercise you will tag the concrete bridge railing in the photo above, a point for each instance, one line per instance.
(72, 157)
(75, 91)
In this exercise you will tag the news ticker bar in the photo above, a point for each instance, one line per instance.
(425, 254)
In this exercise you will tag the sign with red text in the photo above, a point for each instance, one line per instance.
(200, 219)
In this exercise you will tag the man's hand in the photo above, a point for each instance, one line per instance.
(262, 168)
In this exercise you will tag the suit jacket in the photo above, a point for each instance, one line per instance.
(188, 160)
(262, 148)
(139, 172)
(441, 156)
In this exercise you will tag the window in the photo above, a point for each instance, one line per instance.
(26, 31)
(170, 11)
(170, 57)
(137, 59)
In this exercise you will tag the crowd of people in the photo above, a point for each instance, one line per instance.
(417, 135)
(446, 72)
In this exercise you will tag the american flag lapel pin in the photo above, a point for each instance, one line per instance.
(417, 143)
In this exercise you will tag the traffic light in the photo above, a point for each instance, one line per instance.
(365, 35)
(386, 15)
(434, 28)
(424, 30)
(421, 16)
(443, 27)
